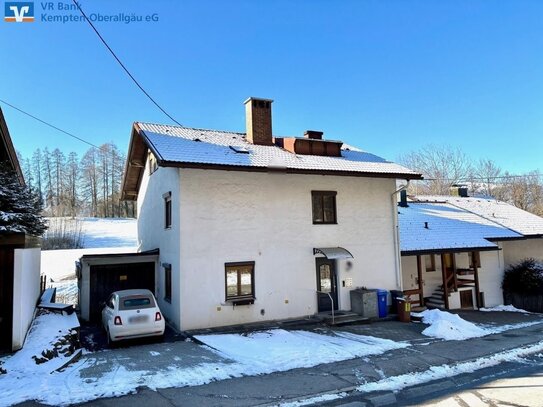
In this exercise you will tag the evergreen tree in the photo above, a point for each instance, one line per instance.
(20, 210)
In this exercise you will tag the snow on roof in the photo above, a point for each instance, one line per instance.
(199, 146)
(500, 212)
(449, 228)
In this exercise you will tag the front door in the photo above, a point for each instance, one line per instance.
(326, 284)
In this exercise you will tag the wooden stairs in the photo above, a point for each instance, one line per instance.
(462, 278)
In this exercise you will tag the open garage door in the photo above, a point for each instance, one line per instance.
(104, 279)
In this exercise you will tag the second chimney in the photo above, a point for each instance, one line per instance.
(312, 134)
(259, 121)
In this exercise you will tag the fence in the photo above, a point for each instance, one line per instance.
(532, 303)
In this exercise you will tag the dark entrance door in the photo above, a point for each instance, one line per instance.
(466, 299)
(326, 284)
(104, 279)
(6, 297)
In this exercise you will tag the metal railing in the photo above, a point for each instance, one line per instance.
(332, 300)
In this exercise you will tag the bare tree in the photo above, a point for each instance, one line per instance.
(37, 170)
(487, 173)
(89, 179)
(442, 167)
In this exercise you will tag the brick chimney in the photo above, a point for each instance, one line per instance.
(259, 121)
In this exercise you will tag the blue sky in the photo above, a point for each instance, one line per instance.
(386, 76)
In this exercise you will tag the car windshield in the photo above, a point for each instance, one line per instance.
(136, 302)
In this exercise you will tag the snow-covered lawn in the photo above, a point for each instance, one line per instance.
(451, 327)
(109, 232)
(100, 236)
(285, 350)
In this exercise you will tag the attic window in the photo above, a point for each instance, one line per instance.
(196, 139)
(240, 150)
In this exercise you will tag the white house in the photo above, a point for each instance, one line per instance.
(455, 249)
(252, 227)
(527, 224)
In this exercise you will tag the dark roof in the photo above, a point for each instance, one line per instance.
(175, 146)
(7, 151)
(110, 255)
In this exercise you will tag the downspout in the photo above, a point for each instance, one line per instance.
(397, 255)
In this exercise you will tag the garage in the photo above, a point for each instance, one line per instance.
(101, 274)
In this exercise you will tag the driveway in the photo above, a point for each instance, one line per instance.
(185, 373)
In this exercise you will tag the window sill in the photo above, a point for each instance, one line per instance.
(241, 301)
(324, 223)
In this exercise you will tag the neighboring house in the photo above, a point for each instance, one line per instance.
(454, 253)
(527, 224)
(19, 267)
(253, 227)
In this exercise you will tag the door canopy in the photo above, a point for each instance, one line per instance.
(333, 253)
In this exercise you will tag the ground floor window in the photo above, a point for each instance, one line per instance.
(240, 281)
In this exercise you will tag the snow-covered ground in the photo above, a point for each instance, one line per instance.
(287, 350)
(451, 327)
(46, 330)
(506, 308)
(239, 355)
(99, 236)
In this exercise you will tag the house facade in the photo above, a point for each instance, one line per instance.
(252, 227)
(454, 253)
(19, 267)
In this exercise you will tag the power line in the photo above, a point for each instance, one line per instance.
(122, 65)
(470, 179)
(49, 124)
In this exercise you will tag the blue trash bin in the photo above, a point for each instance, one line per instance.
(382, 303)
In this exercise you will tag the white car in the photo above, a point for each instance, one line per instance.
(131, 314)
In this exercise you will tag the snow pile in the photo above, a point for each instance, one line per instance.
(449, 326)
(506, 308)
(42, 351)
(444, 325)
(287, 350)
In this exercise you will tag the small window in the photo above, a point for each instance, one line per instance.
(167, 210)
(240, 282)
(168, 282)
(430, 261)
(474, 259)
(324, 207)
(153, 166)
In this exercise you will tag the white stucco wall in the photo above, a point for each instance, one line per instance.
(490, 276)
(515, 251)
(153, 235)
(26, 291)
(267, 218)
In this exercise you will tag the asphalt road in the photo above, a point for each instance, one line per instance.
(506, 385)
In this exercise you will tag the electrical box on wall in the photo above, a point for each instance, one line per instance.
(348, 282)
